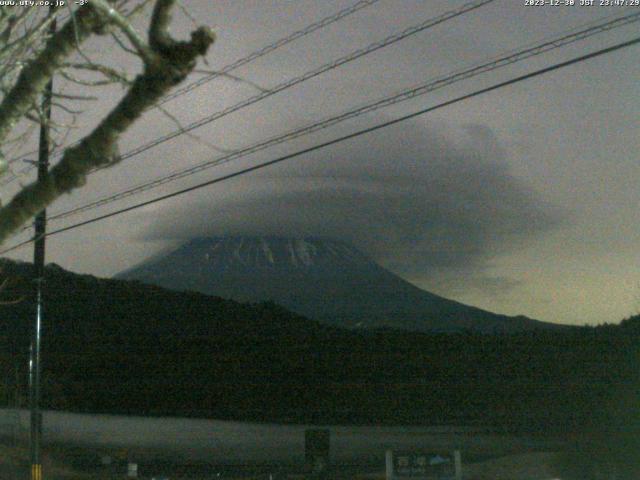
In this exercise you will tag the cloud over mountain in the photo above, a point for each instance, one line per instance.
(422, 199)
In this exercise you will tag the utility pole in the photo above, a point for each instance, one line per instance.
(40, 226)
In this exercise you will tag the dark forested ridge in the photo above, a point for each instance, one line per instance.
(124, 347)
(318, 278)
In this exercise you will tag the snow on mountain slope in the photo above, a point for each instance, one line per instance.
(322, 279)
(269, 252)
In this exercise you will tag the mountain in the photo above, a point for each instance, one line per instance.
(322, 279)
(115, 346)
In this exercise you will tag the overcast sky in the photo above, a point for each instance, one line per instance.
(521, 201)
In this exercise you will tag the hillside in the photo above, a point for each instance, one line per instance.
(124, 347)
(322, 279)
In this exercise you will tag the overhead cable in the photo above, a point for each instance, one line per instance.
(422, 89)
(305, 151)
(322, 23)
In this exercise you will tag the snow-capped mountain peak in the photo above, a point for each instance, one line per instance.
(271, 252)
(323, 279)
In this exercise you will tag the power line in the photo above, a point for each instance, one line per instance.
(287, 84)
(373, 47)
(422, 89)
(322, 23)
(270, 48)
(374, 128)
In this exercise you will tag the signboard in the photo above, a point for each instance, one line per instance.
(317, 445)
(132, 470)
(423, 465)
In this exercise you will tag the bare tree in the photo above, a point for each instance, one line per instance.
(30, 56)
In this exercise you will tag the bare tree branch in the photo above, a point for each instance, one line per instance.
(83, 98)
(235, 78)
(125, 26)
(37, 73)
(189, 134)
(108, 72)
(122, 45)
(168, 63)
(86, 83)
